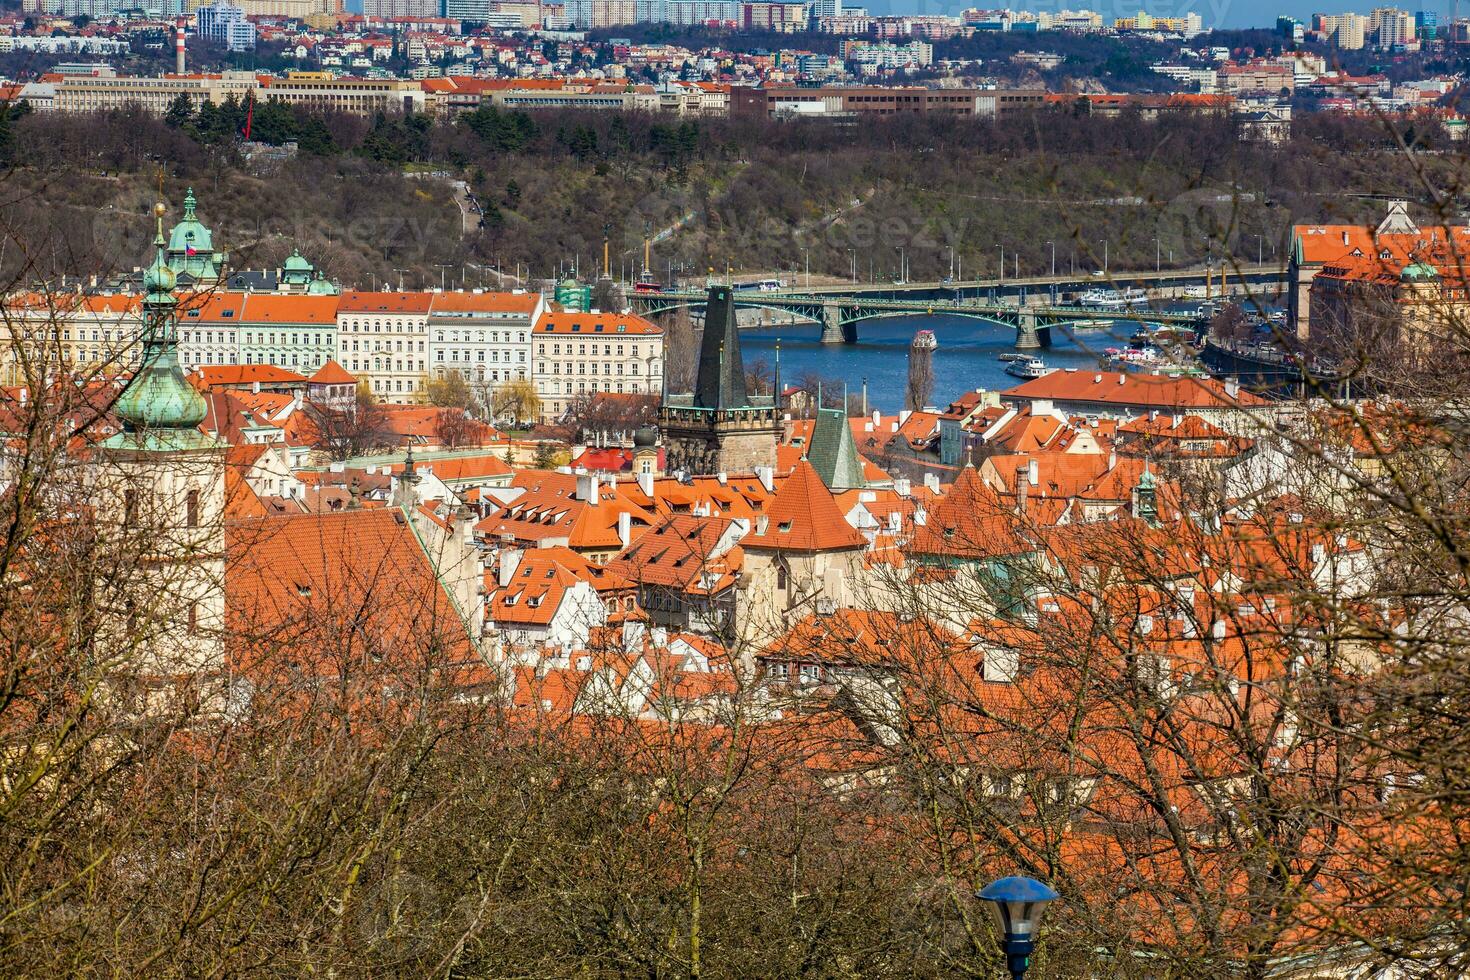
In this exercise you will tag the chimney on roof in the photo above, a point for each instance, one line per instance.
(931, 481)
(767, 476)
(902, 487)
(255, 387)
(645, 483)
(1232, 388)
(903, 417)
(510, 560)
(586, 487)
(1022, 490)
(625, 528)
(722, 478)
(761, 523)
(1122, 378)
(1344, 237)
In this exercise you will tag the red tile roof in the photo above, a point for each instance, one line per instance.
(804, 516)
(332, 373)
(370, 302)
(296, 585)
(461, 302)
(594, 324)
(274, 308)
(1144, 391)
(209, 376)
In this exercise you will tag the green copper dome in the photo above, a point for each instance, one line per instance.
(1419, 270)
(296, 263)
(159, 410)
(321, 286)
(191, 232)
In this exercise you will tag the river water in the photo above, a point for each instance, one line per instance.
(967, 356)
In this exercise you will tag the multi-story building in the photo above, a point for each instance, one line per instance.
(401, 8)
(484, 336)
(1392, 28)
(316, 90)
(1346, 31)
(290, 331)
(89, 332)
(1258, 78)
(786, 18)
(224, 23)
(585, 353)
(585, 14)
(915, 54)
(209, 328)
(862, 100)
(382, 338)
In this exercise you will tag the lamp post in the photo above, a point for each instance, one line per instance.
(1053, 259)
(1158, 255)
(1104, 243)
(1002, 262)
(1016, 904)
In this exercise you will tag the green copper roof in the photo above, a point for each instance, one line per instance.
(1419, 270)
(190, 232)
(296, 263)
(833, 453)
(321, 286)
(160, 411)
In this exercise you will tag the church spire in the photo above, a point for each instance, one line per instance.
(158, 408)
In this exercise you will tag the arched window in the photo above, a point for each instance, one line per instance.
(191, 509)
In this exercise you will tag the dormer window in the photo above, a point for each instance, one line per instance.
(784, 527)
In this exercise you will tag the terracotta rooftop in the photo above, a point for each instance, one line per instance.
(804, 516)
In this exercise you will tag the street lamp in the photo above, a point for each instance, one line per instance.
(1104, 243)
(1002, 262)
(1158, 255)
(1053, 259)
(901, 277)
(1017, 904)
(806, 258)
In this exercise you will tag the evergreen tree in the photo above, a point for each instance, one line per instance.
(180, 112)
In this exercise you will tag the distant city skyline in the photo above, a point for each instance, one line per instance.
(1225, 14)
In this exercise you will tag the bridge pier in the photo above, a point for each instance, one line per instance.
(1028, 334)
(832, 324)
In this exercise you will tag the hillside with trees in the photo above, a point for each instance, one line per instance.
(368, 199)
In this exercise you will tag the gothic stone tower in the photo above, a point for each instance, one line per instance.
(719, 427)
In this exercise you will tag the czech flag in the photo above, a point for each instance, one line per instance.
(189, 250)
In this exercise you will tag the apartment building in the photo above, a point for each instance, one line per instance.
(875, 100)
(90, 332)
(583, 353)
(209, 329)
(485, 336)
(1346, 31)
(290, 331)
(382, 338)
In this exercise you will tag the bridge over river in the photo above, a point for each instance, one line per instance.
(839, 314)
